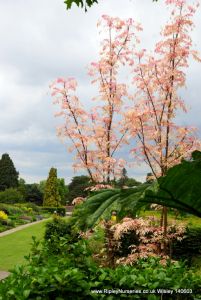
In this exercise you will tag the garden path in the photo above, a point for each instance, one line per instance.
(4, 274)
(19, 228)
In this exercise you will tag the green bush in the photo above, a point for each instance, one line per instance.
(189, 247)
(57, 231)
(73, 274)
(11, 196)
(60, 210)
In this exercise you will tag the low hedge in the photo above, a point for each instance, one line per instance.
(60, 210)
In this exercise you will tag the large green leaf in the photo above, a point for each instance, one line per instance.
(86, 210)
(87, 214)
(101, 209)
(129, 199)
(181, 187)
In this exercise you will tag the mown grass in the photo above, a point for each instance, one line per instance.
(15, 246)
(189, 220)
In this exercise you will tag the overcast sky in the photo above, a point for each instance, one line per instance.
(40, 41)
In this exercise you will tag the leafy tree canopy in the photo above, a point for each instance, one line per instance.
(11, 196)
(83, 3)
(63, 190)
(77, 187)
(32, 193)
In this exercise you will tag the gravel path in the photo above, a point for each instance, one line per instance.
(4, 274)
(19, 228)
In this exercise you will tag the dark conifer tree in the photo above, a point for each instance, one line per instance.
(8, 173)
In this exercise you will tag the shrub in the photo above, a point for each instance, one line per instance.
(56, 230)
(73, 274)
(10, 223)
(189, 247)
(139, 238)
(11, 209)
(34, 207)
(11, 196)
(3, 216)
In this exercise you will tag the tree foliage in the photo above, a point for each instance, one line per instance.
(33, 194)
(51, 196)
(83, 3)
(77, 187)
(22, 187)
(62, 189)
(11, 196)
(8, 173)
(96, 135)
(161, 141)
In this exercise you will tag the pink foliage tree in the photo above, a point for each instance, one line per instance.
(97, 135)
(162, 143)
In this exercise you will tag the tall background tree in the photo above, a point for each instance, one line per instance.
(33, 194)
(51, 195)
(8, 173)
(77, 187)
(62, 189)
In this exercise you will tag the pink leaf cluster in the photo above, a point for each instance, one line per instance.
(150, 236)
(78, 200)
(161, 143)
(97, 135)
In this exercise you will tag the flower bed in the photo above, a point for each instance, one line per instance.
(12, 216)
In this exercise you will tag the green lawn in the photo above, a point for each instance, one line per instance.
(189, 220)
(15, 246)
